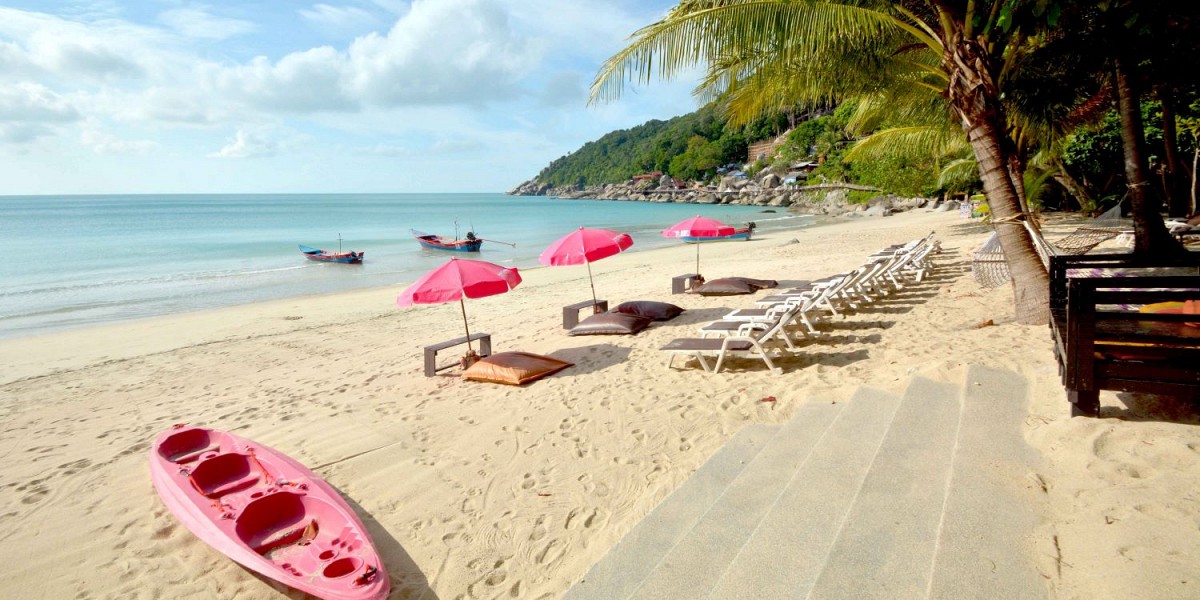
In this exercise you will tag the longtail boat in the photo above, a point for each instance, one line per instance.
(741, 233)
(437, 242)
(347, 258)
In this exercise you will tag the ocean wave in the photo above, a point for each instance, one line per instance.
(170, 278)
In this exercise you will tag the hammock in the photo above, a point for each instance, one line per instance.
(990, 269)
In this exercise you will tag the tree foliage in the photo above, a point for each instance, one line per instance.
(691, 146)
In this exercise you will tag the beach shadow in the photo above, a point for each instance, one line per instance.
(947, 274)
(694, 316)
(589, 359)
(407, 579)
(838, 340)
(791, 283)
(853, 325)
(905, 295)
(970, 228)
(1154, 408)
(900, 309)
(835, 359)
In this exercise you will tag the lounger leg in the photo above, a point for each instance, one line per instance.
(787, 339)
(720, 359)
(829, 305)
(1084, 403)
(762, 352)
(808, 324)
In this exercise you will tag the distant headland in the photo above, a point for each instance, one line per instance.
(830, 199)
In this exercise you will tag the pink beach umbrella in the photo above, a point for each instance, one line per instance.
(460, 278)
(585, 246)
(700, 227)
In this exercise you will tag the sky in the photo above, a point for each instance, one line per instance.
(278, 96)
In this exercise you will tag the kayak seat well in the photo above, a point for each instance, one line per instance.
(281, 519)
(224, 474)
(188, 445)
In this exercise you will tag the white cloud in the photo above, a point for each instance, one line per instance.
(385, 150)
(32, 102)
(443, 52)
(338, 20)
(302, 81)
(495, 86)
(67, 53)
(397, 7)
(201, 24)
(105, 143)
(23, 133)
(246, 144)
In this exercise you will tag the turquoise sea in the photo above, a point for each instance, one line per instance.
(74, 261)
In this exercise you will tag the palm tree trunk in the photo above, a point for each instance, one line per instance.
(1150, 234)
(974, 98)
(1016, 174)
(1072, 185)
(1173, 182)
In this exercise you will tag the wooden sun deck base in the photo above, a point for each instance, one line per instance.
(1102, 343)
(431, 351)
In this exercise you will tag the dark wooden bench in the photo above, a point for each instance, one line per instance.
(431, 368)
(571, 311)
(684, 283)
(1101, 342)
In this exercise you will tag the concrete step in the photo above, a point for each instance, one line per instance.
(787, 549)
(990, 516)
(624, 568)
(697, 561)
(885, 550)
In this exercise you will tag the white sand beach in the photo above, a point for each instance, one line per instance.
(474, 490)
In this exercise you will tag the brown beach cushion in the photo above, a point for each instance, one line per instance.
(658, 311)
(611, 323)
(759, 283)
(514, 368)
(732, 286)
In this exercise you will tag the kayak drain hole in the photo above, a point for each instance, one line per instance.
(342, 567)
(326, 555)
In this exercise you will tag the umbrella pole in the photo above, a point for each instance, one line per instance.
(697, 257)
(465, 328)
(593, 284)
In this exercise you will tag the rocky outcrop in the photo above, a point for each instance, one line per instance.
(825, 199)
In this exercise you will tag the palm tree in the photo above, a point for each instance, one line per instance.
(837, 49)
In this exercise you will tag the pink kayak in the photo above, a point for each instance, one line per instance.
(267, 512)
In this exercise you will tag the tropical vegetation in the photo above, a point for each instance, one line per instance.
(1009, 79)
(690, 147)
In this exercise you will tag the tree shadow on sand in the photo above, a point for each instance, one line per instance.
(830, 326)
(970, 228)
(592, 358)
(841, 340)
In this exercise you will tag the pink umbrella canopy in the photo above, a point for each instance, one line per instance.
(585, 246)
(460, 278)
(698, 226)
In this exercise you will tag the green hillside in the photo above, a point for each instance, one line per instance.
(691, 146)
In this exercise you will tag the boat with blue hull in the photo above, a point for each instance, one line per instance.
(739, 234)
(437, 242)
